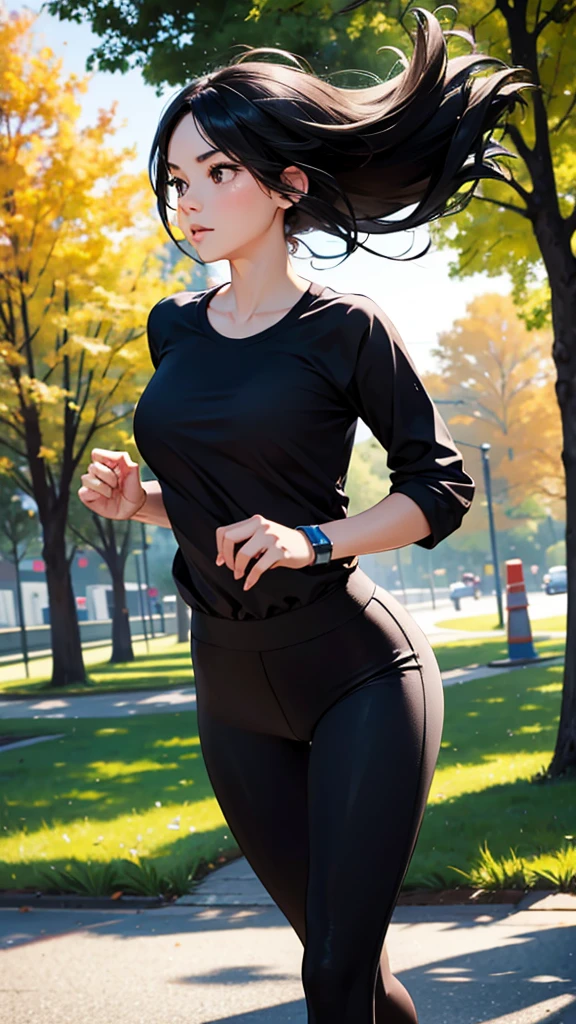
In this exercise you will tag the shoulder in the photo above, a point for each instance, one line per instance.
(374, 347)
(163, 316)
(367, 329)
(358, 308)
(167, 306)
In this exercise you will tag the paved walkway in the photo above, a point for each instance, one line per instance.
(232, 964)
(225, 954)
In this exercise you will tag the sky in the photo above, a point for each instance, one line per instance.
(418, 296)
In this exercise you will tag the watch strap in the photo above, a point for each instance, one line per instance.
(321, 544)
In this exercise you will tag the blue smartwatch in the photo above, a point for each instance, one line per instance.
(320, 542)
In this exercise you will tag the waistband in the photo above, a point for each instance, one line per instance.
(290, 627)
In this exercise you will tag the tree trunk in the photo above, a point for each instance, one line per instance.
(20, 605)
(121, 636)
(183, 620)
(564, 351)
(67, 661)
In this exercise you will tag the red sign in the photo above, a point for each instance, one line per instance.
(82, 562)
(38, 565)
(80, 602)
(152, 591)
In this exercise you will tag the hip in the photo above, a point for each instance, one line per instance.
(292, 667)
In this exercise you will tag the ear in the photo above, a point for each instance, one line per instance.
(299, 179)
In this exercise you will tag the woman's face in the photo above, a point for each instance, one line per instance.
(221, 195)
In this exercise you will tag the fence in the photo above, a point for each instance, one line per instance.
(91, 633)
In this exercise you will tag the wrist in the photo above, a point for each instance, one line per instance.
(141, 505)
(311, 552)
(319, 542)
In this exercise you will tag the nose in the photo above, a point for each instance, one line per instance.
(188, 205)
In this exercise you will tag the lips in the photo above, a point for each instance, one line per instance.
(199, 234)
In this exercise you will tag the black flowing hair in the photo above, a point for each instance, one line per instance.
(368, 152)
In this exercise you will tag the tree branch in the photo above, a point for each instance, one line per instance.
(564, 118)
(22, 481)
(520, 142)
(556, 13)
(506, 206)
(88, 543)
(11, 448)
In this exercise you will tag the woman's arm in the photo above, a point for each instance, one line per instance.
(393, 523)
(430, 490)
(152, 511)
(111, 487)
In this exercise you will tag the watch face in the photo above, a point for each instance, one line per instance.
(323, 545)
(323, 555)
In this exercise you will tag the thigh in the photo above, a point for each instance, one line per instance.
(372, 760)
(260, 783)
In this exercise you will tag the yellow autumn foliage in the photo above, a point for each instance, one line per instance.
(504, 376)
(80, 267)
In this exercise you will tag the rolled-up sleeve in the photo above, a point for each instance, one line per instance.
(387, 393)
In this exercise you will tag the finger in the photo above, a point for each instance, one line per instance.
(95, 484)
(251, 549)
(98, 469)
(87, 497)
(109, 458)
(234, 535)
(268, 560)
(125, 466)
(221, 533)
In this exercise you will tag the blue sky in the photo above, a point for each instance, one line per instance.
(418, 296)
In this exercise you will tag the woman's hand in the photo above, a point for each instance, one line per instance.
(279, 546)
(112, 487)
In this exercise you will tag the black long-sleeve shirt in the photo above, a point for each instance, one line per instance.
(265, 424)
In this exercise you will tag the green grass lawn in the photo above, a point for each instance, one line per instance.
(498, 732)
(137, 788)
(461, 653)
(109, 788)
(166, 664)
(484, 622)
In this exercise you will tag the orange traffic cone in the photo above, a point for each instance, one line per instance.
(520, 645)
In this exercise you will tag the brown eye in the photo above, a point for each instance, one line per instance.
(217, 168)
(178, 184)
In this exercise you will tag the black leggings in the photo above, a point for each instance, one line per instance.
(320, 729)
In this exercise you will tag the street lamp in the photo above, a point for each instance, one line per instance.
(484, 449)
(136, 552)
(146, 576)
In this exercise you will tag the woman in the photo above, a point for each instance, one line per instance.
(320, 702)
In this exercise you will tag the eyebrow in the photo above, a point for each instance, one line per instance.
(199, 159)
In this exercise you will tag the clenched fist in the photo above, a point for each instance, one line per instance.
(112, 486)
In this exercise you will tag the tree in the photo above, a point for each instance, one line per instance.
(18, 530)
(111, 539)
(524, 226)
(176, 42)
(503, 376)
(534, 233)
(79, 273)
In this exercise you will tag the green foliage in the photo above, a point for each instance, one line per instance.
(506, 225)
(556, 554)
(515, 872)
(139, 783)
(139, 877)
(365, 484)
(176, 42)
(18, 524)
